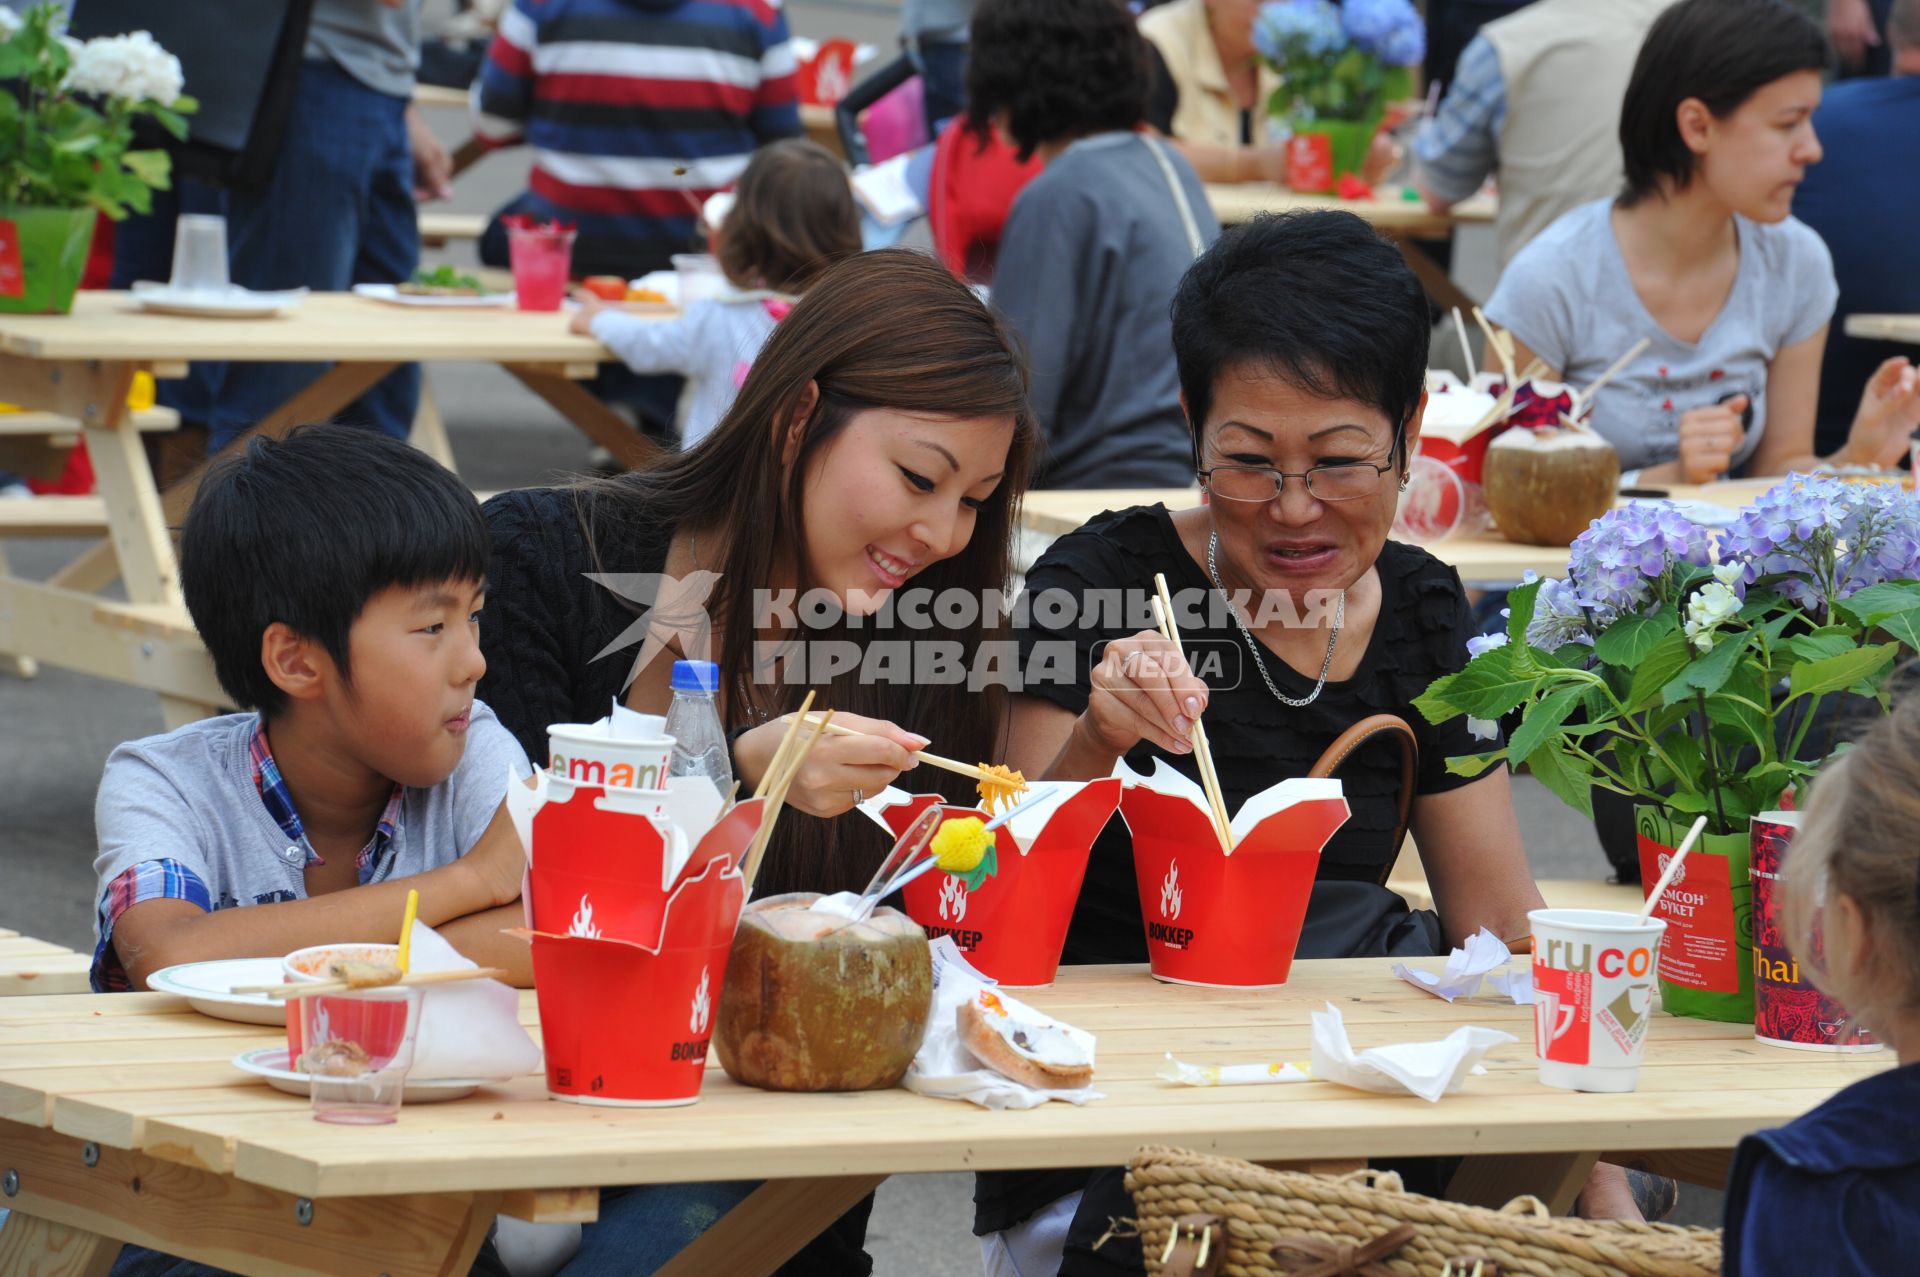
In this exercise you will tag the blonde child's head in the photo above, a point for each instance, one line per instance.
(793, 215)
(1852, 907)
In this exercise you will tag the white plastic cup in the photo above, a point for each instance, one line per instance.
(589, 754)
(701, 278)
(1593, 982)
(200, 253)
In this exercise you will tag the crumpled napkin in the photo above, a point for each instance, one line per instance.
(1467, 967)
(946, 1070)
(468, 1029)
(1230, 1074)
(1426, 1069)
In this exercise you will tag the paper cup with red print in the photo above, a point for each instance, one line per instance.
(625, 750)
(628, 1024)
(1593, 996)
(1229, 918)
(1014, 925)
(1787, 1009)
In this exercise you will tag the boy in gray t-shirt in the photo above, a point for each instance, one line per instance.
(336, 577)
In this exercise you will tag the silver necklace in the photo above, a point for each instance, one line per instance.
(1253, 646)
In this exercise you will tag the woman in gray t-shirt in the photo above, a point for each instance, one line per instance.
(1699, 256)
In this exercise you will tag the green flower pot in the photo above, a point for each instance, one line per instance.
(43, 254)
(1706, 955)
(1349, 140)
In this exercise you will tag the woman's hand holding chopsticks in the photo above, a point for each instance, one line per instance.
(1143, 689)
(840, 765)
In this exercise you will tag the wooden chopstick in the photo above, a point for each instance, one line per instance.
(419, 979)
(785, 765)
(1202, 751)
(950, 764)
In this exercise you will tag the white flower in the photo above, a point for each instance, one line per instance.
(1486, 642)
(9, 24)
(1712, 605)
(133, 67)
(1483, 728)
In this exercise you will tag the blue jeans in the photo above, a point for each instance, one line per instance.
(338, 211)
(641, 1228)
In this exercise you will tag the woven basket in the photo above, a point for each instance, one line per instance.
(1264, 1207)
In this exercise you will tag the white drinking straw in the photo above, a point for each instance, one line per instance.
(1673, 867)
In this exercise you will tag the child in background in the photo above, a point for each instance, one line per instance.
(1839, 1189)
(793, 215)
(336, 578)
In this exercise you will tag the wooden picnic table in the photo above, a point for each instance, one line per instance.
(39, 966)
(1885, 327)
(80, 365)
(1485, 557)
(122, 1120)
(1405, 220)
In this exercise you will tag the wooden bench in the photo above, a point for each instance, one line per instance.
(37, 966)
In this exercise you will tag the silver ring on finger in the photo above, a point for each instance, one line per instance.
(858, 797)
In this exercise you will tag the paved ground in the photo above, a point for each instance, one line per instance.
(56, 731)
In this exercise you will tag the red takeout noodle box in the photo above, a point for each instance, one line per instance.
(1014, 926)
(631, 932)
(1225, 918)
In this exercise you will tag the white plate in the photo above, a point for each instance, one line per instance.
(270, 1062)
(235, 303)
(392, 296)
(1702, 514)
(208, 988)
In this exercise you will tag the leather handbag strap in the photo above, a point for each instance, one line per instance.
(1359, 734)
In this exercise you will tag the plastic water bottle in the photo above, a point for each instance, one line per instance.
(699, 745)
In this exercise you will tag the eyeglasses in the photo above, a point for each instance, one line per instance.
(1348, 481)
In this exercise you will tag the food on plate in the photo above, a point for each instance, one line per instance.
(813, 1002)
(961, 844)
(652, 296)
(1000, 786)
(364, 975)
(441, 281)
(336, 1057)
(1034, 1052)
(610, 288)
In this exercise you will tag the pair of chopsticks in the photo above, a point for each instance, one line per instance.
(778, 779)
(1209, 778)
(290, 992)
(974, 770)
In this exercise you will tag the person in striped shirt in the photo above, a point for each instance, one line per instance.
(636, 110)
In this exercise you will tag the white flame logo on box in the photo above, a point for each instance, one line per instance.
(953, 895)
(1680, 876)
(1170, 893)
(582, 924)
(702, 1007)
(319, 1029)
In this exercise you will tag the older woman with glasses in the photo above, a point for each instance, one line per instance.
(1302, 349)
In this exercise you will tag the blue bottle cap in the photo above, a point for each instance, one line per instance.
(696, 676)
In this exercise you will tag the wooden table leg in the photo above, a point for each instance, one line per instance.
(1707, 1167)
(590, 416)
(33, 1247)
(766, 1229)
(429, 432)
(18, 666)
(1495, 1180)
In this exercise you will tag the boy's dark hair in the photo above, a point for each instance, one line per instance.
(1318, 299)
(305, 530)
(1059, 69)
(1720, 51)
(793, 216)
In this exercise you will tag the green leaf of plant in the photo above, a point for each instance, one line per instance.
(1474, 764)
(151, 167)
(1543, 717)
(1904, 626)
(1569, 778)
(1709, 673)
(1491, 685)
(1815, 678)
(1878, 601)
(1829, 640)
(1520, 601)
(1750, 684)
(1664, 660)
(1628, 642)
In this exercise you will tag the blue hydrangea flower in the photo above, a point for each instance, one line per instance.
(1391, 30)
(1297, 28)
(1560, 616)
(1616, 563)
(1486, 642)
(1792, 528)
(1879, 540)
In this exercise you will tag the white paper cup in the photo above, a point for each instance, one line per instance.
(1593, 982)
(589, 754)
(701, 278)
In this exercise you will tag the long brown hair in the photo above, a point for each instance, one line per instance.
(889, 329)
(793, 215)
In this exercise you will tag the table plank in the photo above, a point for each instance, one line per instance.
(1884, 327)
(1390, 211)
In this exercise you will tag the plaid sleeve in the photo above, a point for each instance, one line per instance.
(1455, 149)
(776, 105)
(148, 880)
(502, 95)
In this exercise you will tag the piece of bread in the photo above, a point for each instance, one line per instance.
(1037, 1053)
